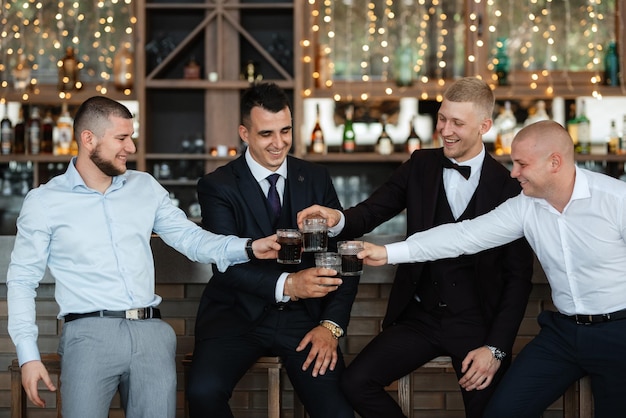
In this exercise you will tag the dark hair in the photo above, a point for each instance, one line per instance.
(266, 95)
(93, 115)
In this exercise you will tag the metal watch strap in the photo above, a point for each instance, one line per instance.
(335, 330)
(497, 353)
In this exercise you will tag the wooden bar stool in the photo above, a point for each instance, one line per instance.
(273, 366)
(580, 406)
(18, 394)
(405, 384)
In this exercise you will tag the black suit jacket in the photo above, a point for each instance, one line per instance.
(232, 203)
(503, 274)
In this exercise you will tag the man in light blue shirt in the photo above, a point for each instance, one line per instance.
(575, 221)
(91, 228)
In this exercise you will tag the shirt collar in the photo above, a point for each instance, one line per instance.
(475, 163)
(76, 181)
(581, 191)
(259, 172)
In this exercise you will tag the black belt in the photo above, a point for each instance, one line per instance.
(139, 313)
(596, 319)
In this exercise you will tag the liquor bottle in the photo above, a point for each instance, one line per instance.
(501, 66)
(123, 77)
(19, 137)
(34, 132)
(68, 72)
(348, 143)
(65, 133)
(6, 132)
(611, 66)
(622, 138)
(505, 125)
(47, 126)
(413, 141)
(384, 145)
(572, 126)
(403, 64)
(613, 142)
(584, 131)
(191, 71)
(539, 114)
(318, 145)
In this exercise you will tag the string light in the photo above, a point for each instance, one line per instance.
(41, 30)
(541, 39)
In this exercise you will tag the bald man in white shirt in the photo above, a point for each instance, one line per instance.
(575, 221)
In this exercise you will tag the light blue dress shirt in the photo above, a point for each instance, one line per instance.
(97, 247)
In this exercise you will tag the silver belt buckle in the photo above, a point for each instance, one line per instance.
(135, 314)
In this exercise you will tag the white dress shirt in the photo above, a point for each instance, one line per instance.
(459, 191)
(582, 250)
(260, 174)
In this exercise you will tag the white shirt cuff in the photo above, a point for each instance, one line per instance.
(398, 253)
(279, 293)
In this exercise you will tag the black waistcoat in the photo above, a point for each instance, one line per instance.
(449, 281)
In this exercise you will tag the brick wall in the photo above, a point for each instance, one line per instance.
(436, 391)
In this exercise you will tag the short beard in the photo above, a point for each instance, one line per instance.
(106, 167)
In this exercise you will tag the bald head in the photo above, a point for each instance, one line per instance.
(547, 137)
(543, 162)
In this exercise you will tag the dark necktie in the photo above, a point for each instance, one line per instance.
(465, 170)
(272, 196)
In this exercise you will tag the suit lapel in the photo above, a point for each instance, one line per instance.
(297, 183)
(433, 187)
(489, 190)
(253, 196)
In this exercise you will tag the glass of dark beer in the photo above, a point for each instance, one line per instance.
(290, 241)
(350, 264)
(330, 261)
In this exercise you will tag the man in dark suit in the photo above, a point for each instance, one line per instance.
(297, 312)
(468, 308)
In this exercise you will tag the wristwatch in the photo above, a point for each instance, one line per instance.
(249, 250)
(334, 329)
(497, 353)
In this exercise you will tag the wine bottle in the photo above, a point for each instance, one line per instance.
(34, 132)
(318, 145)
(384, 145)
(47, 126)
(584, 131)
(413, 141)
(348, 143)
(19, 137)
(65, 133)
(6, 132)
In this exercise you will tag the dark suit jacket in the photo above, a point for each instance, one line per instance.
(233, 204)
(503, 274)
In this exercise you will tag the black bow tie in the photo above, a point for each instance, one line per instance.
(465, 170)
